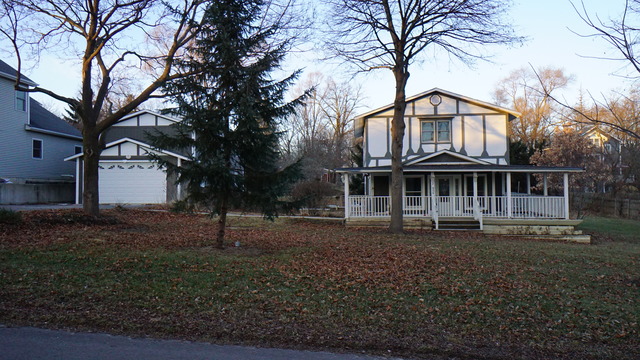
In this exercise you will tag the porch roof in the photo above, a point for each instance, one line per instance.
(464, 168)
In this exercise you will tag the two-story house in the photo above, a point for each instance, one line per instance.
(455, 164)
(126, 173)
(609, 150)
(33, 141)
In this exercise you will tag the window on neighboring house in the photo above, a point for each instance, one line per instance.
(21, 100)
(435, 131)
(36, 150)
(77, 150)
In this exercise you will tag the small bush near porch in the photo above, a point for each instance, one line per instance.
(318, 285)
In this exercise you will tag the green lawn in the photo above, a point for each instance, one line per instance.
(612, 228)
(321, 286)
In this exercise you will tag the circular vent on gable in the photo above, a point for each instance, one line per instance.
(435, 100)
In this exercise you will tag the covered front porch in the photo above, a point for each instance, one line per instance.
(476, 192)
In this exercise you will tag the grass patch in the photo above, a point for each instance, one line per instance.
(612, 229)
(321, 286)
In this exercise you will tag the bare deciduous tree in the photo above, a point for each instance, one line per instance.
(132, 45)
(321, 131)
(622, 35)
(374, 34)
(521, 90)
(110, 38)
(338, 105)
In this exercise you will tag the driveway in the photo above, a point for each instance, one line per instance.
(31, 343)
(28, 207)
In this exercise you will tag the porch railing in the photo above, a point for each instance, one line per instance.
(523, 207)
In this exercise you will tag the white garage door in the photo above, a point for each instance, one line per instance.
(132, 182)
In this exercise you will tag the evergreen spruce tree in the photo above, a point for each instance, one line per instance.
(230, 108)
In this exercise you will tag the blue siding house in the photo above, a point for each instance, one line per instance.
(33, 141)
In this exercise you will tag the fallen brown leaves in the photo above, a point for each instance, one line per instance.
(296, 283)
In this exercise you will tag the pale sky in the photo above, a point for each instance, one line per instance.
(546, 24)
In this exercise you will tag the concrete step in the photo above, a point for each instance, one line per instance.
(582, 239)
(458, 224)
(530, 230)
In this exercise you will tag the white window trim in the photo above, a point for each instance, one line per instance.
(41, 149)
(26, 101)
(435, 122)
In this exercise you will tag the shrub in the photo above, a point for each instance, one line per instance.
(182, 207)
(10, 217)
(313, 194)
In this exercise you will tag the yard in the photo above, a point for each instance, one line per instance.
(301, 284)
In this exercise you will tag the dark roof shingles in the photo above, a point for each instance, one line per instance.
(42, 118)
(9, 70)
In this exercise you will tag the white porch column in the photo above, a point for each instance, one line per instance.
(78, 181)
(179, 186)
(347, 210)
(528, 184)
(509, 200)
(475, 193)
(545, 189)
(566, 196)
(493, 193)
(433, 193)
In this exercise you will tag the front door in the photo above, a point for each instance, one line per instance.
(448, 199)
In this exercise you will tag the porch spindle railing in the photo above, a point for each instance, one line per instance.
(549, 207)
(524, 207)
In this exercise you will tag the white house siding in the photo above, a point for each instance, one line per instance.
(467, 108)
(496, 128)
(421, 107)
(126, 149)
(377, 137)
(415, 134)
(473, 135)
(16, 144)
(476, 131)
(456, 134)
(145, 119)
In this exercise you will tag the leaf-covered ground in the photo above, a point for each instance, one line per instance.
(300, 284)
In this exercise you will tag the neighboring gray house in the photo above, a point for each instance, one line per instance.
(126, 174)
(33, 141)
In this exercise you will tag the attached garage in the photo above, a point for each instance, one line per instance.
(132, 182)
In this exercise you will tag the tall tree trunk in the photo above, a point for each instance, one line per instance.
(397, 136)
(90, 194)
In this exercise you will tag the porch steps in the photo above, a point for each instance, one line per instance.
(460, 224)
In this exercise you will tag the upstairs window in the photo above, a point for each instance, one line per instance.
(36, 149)
(435, 131)
(21, 100)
